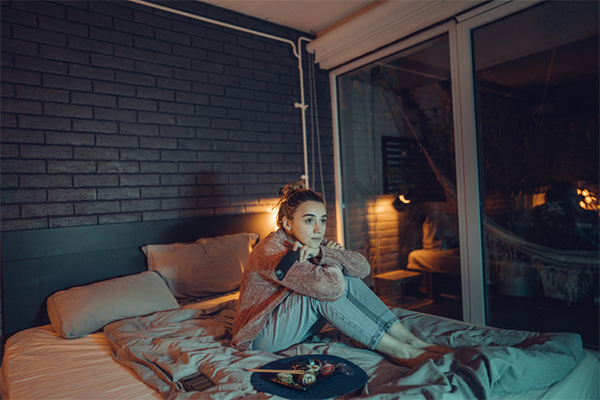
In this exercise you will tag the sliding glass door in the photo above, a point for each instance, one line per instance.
(470, 154)
(399, 174)
(537, 100)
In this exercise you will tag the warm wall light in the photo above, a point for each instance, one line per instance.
(266, 205)
(274, 219)
(400, 203)
(275, 227)
(383, 205)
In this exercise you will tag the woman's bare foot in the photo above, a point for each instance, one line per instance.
(397, 348)
(398, 331)
(402, 353)
(406, 349)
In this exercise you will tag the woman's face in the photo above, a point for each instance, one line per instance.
(308, 224)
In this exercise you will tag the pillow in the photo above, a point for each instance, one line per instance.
(202, 268)
(85, 309)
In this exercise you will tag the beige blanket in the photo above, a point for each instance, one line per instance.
(164, 347)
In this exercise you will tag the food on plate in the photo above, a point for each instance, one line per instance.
(307, 378)
(312, 372)
(327, 369)
(314, 365)
(285, 377)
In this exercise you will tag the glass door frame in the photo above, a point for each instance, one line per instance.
(466, 155)
(468, 185)
(446, 28)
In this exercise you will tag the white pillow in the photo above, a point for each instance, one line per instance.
(85, 309)
(203, 268)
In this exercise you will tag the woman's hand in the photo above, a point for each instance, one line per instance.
(334, 245)
(306, 252)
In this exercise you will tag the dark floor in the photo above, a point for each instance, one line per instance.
(535, 313)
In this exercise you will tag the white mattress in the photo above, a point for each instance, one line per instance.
(39, 364)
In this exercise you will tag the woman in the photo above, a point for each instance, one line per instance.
(323, 285)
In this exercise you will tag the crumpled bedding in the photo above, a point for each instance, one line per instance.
(164, 347)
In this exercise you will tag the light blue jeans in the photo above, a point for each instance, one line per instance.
(359, 314)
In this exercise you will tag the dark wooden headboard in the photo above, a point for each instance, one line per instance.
(37, 263)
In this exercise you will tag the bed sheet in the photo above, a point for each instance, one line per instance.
(581, 383)
(487, 363)
(39, 364)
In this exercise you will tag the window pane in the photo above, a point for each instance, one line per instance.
(537, 108)
(398, 174)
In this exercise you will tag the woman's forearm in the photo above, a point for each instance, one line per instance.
(350, 262)
(321, 282)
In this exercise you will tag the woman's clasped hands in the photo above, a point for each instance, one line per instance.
(307, 252)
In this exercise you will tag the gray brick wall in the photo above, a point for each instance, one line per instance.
(115, 112)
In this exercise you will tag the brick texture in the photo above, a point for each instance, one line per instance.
(113, 112)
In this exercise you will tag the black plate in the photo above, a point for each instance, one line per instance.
(339, 384)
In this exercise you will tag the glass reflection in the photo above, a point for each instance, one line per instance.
(537, 108)
(398, 173)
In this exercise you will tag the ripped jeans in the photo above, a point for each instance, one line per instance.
(359, 314)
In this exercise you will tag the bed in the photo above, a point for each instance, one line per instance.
(153, 324)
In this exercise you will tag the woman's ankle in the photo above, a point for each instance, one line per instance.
(420, 344)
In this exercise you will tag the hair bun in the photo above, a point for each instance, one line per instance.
(290, 188)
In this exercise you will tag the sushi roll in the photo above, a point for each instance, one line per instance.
(285, 377)
(314, 365)
(307, 378)
(314, 368)
(302, 366)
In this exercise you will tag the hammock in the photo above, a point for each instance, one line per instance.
(565, 274)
